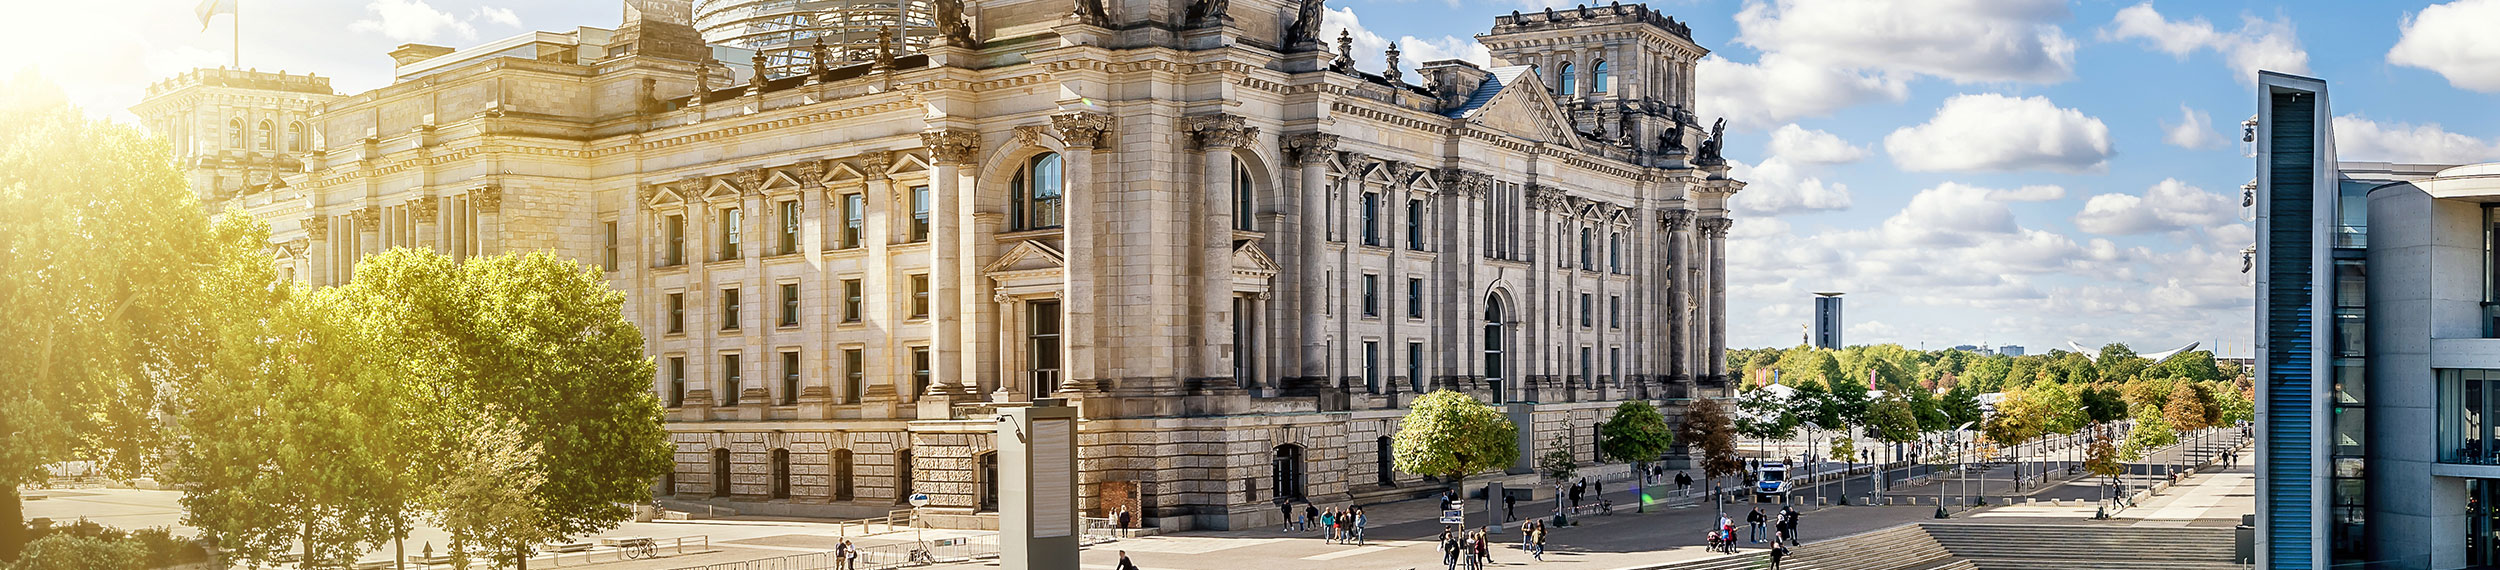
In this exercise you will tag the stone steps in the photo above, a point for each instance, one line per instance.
(1990, 541)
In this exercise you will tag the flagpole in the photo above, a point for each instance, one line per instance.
(237, 16)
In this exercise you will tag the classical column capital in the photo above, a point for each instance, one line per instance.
(812, 172)
(1542, 197)
(316, 227)
(1220, 130)
(487, 198)
(366, 219)
(1308, 149)
(294, 248)
(952, 147)
(1083, 129)
(1464, 182)
(1715, 228)
(424, 208)
(1674, 219)
(874, 164)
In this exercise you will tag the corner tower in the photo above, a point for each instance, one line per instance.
(1623, 72)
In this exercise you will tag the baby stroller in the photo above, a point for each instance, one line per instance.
(1723, 540)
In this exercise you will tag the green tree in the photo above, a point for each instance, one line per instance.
(2151, 432)
(1847, 404)
(1987, 374)
(1930, 411)
(100, 249)
(2118, 363)
(1711, 430)
(1961, 405)
(2103, 404)
(2102, 458)
(1450, 435)
(2234, 405)
(487, 495)
(1557, 463)
(1811, 403)
(1637, 434)
(1845, 448)
(2196, 366)
(64, 551)
(1891, 419)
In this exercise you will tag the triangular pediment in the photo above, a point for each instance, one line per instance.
(719, 189)
(668, 194)
(843, 173)
(780, 179)
(907, 163)
(1523, 109)
(1028, 255)
(1250, 258)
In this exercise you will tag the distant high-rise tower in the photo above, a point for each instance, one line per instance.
(1827, 320)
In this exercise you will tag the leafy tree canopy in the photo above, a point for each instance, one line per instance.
(1450, 435)
(1636, 434)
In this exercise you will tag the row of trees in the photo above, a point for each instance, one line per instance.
(1451, 435)
(504, 399)
(1894, 368)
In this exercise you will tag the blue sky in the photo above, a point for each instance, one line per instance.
(2002, 171)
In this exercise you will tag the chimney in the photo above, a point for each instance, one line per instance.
(659, 28)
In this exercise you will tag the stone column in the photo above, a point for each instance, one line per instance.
(952, 152)
(368, 221)
(882, 293)
(1677, 318)
(1216, 136)
(1537, 296)
(423, 210)
(823, 290)
(488, 202)
(1715, 294)
(1086, 133)
(319, 254)
(1309, 152)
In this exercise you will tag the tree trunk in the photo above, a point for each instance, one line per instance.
(12, 521)
(521, 557)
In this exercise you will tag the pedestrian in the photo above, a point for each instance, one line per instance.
(1310, 514)
(850, 555)
(1791, 514)
(1538, 543)
(1483, 552)
(841, 551)
(1358, 526)
(1778, 551)
(1124, 563)
(1449, 549)
(1286, 505)
(1682, 481)
(1576, 489)
(1754, 521)
(1598, 488)
(1510, 506)
(1328, 523)
(1345, 526)
(1121, 520)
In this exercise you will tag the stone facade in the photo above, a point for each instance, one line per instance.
(1237, 257)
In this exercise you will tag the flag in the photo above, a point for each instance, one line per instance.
(211, 8)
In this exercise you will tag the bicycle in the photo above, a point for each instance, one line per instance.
(922, 556)
(640, 548)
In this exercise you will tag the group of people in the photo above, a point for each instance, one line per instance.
(1342, 526)
(1470, 547)
(1532, 539)
(1783, 533)
(845, 556)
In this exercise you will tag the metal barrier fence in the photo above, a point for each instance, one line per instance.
(909, 554)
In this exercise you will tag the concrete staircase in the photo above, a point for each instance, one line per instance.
(2046, 547)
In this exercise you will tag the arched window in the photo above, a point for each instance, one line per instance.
(234, 134)
(1381, 463)
(297, 140)
(1242, 218)
(1035, 191)
(1287, 467)
(1599, 79)
(268, 139)
(1570, 86)
(720, 472)
(842, 485)
(988, 483)
(1493, 345)
(781, 473)
(1588, 249)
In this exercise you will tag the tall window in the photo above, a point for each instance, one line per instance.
(1588, 249)
(676, 240)
(1614, 364)
(842, 484)
(1371, 216)
(676, 313)
(789, 304)
(607, 255)
(1371, 365)
(851, 292)
(1599, 78)
(729, 230)
(919, 213)
(1614, 311)
(268, 139)
(1493, 371)
(1587, 364)
(1587, 305)
(1035, 192)
(1415, 225)
(902, 475)
(854, 212)
(919, 370)
(854, 373)
(1415, 366)
(729, 309)
(676, 381)
(1243, 218)
(920, 296)
(1614, 252)
(789, 378)
(1288, 471)
(789, 227)
(234, 134)
(729, 379)
(1371, 295)
(720, 472)
(1570, 86)
(1042, 346)
(1414, 298)
(781, 473)
(985, 479)
(297, 140)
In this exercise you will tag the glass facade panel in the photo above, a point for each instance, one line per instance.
(2465, 402)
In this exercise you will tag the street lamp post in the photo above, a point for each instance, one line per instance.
(1815, 487)
(1940, 512)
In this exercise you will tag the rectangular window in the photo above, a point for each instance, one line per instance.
(1587, 306)
(729, 309)
(607, 255)
(919, 213)
(1614, 312)
(676, 241)
(676, 381)
(1371, 214)
(920, 296)
(1587, 366)
(789, 227)
(729, 379)
(919, 370)
(1415, 366)
(854, 217)
(1614, 364)
(1414, 298)
(1415, 225)
(1371, 365)
(789, 304)
(676, 313)
(854, 374)
(789, 378)
(1371, 295)
(729, 233)
(1614, 253)
(851, 291)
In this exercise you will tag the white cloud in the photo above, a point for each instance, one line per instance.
(2270, 45)
(2358, 138)
(1367, 44)
(1962, 40)
(2169, 205)
(2034, 193)
(2456, 40)
(1777, 187)
(2194, 130)
(412, 21)
(1780, 88)
(1990, 132)
(498, 15)
(1419, 51)
(1811, 146)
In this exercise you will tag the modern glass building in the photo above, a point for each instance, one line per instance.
(1827, 321)
(2378, 354)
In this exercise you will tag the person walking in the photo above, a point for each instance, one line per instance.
(1328, 524)
(1483, 552)
(1789, 518)
(1449, 549)
(1754, 521)
(1683, 481)
(1778, 551)
(1310, 514)
(1577, 488)
(841, 554)
(1286, 505)
(1124, 563)
(1537, 542)
(1510, 506)
(1359, 522)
